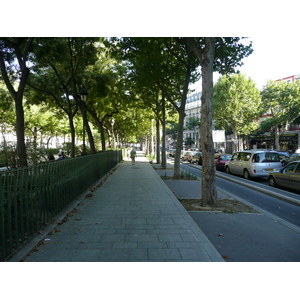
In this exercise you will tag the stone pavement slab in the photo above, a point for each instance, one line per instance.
(132, 217)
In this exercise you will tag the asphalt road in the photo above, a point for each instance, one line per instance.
(280, 208)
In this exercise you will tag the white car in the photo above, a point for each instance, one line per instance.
(189, 155)
(253, 163)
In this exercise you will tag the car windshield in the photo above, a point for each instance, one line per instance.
(225, 157)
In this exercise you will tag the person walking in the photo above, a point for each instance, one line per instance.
(133, 156)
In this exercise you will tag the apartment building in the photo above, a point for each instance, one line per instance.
(192, 110)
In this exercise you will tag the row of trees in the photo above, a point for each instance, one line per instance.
(133, 80)
(238, 104)
(50, 73)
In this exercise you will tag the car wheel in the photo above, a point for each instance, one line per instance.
(246, 174)
(227, 170)
(272, 181)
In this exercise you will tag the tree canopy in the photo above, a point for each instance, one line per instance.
(282, 101)
(130, 82)
(236, 104)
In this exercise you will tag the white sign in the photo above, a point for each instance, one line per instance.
(218, 136)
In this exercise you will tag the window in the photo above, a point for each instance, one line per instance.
(271, 157)
(266, 157)
(235, 156)
(290, 168)
(245, 156)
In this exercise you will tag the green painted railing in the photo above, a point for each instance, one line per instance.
(32, 197)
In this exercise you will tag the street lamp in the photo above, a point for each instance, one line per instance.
(83, 95)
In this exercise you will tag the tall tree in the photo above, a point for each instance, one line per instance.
(206, 58)
(14, 58)
(282, 100)
(63, 62)
(222, 55)
(236, 104)
(168, 64)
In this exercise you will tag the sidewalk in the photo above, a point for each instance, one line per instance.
(132, 217)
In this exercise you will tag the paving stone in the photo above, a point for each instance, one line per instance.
(164, 254)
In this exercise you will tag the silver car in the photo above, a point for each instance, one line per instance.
(253, 163)
(288, 177)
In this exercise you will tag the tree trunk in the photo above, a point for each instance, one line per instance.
(277, 135)
(157, 141)
(209, 191)
(181, 112)
(102, 134)
(235, 138)
(20, 130)
(178, 146)
(72, 130)
(151, 139)
(87, 128)
(163, 151)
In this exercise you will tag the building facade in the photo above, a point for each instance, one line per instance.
(191, 137)
(192, 111)
(291, 79)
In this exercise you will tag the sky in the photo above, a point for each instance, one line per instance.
(272, 58)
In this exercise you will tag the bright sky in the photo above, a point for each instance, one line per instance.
(272, 59)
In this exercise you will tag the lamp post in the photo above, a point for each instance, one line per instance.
(83, 95)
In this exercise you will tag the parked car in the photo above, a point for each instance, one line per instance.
(172, 152)
(283, 154)
(293, 157)
(287, 177)
(197, 158)
(182, 153)
(188, 155)
(252, 163)
(221, 159)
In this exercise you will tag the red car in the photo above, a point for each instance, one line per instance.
(220, 160)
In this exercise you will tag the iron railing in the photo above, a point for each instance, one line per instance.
(32, 197)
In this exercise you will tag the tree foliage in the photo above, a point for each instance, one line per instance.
(15, 54)
(236, 104)
(281, 100)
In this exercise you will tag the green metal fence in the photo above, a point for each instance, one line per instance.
(32, 197)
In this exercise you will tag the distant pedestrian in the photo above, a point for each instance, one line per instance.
(133, 156)
(61, 155)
